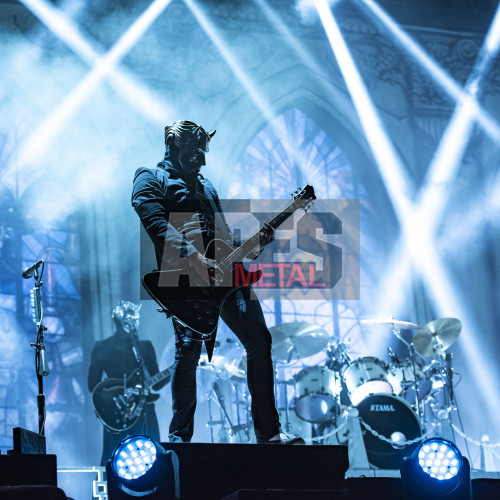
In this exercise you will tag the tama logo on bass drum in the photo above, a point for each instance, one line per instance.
(382, 408)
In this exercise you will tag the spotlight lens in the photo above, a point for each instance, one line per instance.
(133, 457)
(433, 462)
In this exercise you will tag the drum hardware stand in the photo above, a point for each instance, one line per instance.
(413, 351)
(238, 402)
(277, 383)
(288, 425)
(220, 401)
(444, 414)
(211, 422)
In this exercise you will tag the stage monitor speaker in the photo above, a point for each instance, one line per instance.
(20, 470)
(213, 471)
(28, 442)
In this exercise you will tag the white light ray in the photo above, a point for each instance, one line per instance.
(63, 27)
(441, 77)
(435, 191)
(416, 234)
(477, 216)
(137, 95)
(231, 61)
(290, 38)
(433, 194)
(391, 170)
(262, 105)
(41, 139)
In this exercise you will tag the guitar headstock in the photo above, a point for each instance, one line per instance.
(304, 198)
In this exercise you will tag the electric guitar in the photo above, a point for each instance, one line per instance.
(119, 403)
(198, 307)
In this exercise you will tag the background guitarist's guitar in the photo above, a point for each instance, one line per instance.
(119, 403)
(198, 307)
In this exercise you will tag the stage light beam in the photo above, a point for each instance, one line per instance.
(137, 95)
(435, 192)
(264, 107)
(42, 137)
(416, 234)
(439, 75)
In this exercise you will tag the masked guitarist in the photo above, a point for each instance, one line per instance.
(181, 213)
(123, 399)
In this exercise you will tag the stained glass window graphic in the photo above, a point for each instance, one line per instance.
(59, 248)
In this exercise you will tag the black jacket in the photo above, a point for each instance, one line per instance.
(114, 357)
(176, 212)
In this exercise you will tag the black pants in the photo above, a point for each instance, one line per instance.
(243, 314)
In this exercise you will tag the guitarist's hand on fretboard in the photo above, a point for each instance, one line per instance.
(267, 235)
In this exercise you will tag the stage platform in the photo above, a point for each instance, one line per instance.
(229, 472)
(247, 472)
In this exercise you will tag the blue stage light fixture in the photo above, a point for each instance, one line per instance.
(133, 457)
(440, 459)
(141, 467)
(436, 470)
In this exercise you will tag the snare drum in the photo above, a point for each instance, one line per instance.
(316, 391)
(366, 376)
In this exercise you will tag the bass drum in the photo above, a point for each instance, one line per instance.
(394, 418)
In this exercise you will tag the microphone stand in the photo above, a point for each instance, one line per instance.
(42, 369)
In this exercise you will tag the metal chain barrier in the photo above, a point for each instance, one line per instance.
(332, 433)
(388, 440)
(473, 441)
(407, 443)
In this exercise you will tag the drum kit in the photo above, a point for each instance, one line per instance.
(400, 399)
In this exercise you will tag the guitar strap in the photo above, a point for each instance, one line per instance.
(226, 235)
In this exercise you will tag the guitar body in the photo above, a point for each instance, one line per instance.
(197, 307)
(118, 407)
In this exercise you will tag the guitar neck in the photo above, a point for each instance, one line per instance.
(253, 243)
(159, 377)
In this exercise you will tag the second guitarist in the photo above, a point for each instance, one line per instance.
(180, 210)
(115, 358)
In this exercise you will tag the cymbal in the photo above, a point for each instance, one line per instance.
(292, 341)
(435, 335)
(205, 379)
(239, 374)
(225, 361)
(394, 323)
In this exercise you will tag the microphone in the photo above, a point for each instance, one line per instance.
(43, 367)
(29, 271)
(449, 373)
(392, 355)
